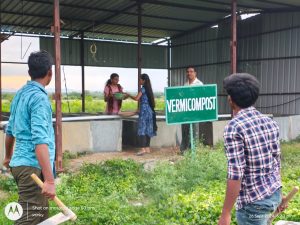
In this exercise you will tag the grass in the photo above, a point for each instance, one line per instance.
(188, 192)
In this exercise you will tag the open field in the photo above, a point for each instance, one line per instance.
(92, 105)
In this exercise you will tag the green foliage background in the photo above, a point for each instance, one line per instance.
(94, 103)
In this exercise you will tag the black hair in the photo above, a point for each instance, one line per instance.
(148, 88)
(112, 76)
(39, 63)
(243, 88)
(191, 67)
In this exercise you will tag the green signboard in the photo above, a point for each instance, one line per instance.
(191, 104)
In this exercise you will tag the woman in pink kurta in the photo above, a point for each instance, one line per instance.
(113, 105)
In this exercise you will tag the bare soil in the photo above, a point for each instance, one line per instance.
(148, 160)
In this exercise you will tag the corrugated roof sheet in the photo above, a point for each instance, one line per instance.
(117, 19)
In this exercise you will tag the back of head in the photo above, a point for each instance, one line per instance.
(39, 64)
(145, 77)
(148, 87)
(243, 89)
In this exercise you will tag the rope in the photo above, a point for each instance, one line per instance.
(93, 47)
(93, 50)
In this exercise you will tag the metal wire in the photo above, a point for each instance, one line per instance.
(23, 56)
(282, 104)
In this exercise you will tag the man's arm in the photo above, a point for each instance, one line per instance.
(276, 152)
(234, 149)
(40, 123)
(232, 192)
(9, 139)
(9, 146)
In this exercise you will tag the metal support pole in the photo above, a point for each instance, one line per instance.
(0, 81)
(233, 42)
(169, 63)
(139, 53)
(192, 140)
(0, 63)
(82, 72)
(57, 52)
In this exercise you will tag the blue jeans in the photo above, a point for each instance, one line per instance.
(258, 212)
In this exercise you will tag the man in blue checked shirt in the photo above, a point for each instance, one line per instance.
(30, 128)
(253, 153)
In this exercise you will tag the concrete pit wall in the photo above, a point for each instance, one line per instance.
(289, 127)
(112, 135)
(92, 136)
(2, 147)
(212, 132)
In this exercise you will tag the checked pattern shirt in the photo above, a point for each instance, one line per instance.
(253, 154)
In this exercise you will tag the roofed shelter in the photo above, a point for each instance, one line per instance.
(172, 35)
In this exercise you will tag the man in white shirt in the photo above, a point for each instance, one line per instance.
(191, 75)
(192, 79)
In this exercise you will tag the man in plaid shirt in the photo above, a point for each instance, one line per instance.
(253, 153)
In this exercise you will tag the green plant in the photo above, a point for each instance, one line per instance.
(188, 192)
(7, 184)
(94, 103)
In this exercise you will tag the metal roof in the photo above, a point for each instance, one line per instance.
(117, 19)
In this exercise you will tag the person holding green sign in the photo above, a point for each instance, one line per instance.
(252, 149)
(192, 80)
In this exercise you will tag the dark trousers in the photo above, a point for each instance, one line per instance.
(35, 205)
(186, 140)
(144, 141)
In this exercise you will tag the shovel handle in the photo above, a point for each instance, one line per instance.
(41, 184)
(284, 201)
(57, 201)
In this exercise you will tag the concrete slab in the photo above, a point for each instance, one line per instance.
(295, 127)
(167, 135)
(212, 132)
(106, 135)
(76, 136)
(284, 127)
(218, 131)
(2, 148)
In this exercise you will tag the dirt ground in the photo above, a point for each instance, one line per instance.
(148, 160)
